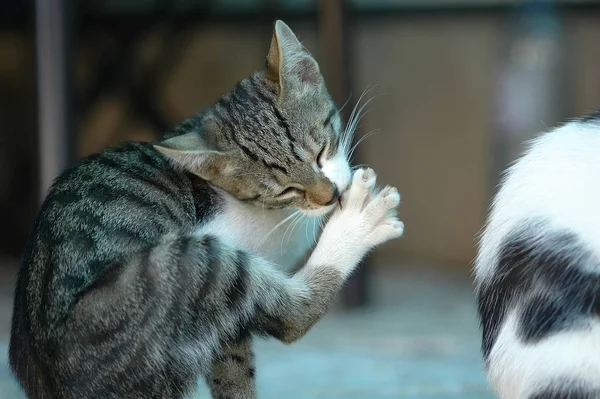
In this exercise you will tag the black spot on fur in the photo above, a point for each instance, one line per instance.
(564, 392)
(542, 316)
(544, 272)
(237, 291)
(251, 372)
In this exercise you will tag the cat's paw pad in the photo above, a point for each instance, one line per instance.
(388, 230)
(368, 177)
(380, 214)
(390, 197)
(383, 202)
(372, 212)
(363, 184)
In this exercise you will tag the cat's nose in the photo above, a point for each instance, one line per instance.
(334, 196)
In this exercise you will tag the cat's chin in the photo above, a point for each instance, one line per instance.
(324, 211)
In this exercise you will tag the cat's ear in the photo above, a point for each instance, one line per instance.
(191, 152)
(288, 63)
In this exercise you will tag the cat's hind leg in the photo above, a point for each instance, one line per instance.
(232, 374)
(563, 365)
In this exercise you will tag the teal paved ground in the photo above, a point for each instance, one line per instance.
(418, 340)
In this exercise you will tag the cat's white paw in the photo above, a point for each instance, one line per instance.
(367, 218)
(381, 212)
(361, 189)
(372, 213)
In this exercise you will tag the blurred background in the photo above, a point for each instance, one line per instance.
(459, 85)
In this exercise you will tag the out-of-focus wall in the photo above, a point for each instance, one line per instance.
(17, 139)
(584, 53)
(434, 139)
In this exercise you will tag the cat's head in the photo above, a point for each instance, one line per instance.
(276, 139)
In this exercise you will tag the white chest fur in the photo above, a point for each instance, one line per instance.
(255, 229)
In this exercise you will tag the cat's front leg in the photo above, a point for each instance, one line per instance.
(367, 218)
(232, 372)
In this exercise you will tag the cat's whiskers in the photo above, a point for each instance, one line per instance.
(358, 113)
(306, 231)
(346, 135)
(262, 241)
(354, 122)
(360, 98)
(321, 222)
(345, 103)
(363, 138)
(359, 117)
(348, 132)
(291, 228)
(353, 129)
(298, 216)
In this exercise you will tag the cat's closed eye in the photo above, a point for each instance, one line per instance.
(291, 191)
(321, 157)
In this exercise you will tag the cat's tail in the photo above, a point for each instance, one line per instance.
(539, 306)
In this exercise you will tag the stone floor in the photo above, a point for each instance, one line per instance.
(418, 339)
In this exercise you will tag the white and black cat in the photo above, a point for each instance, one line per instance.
(538, 270)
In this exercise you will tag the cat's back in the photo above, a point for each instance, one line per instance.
(101, 211)
(129, 193)
(556, 182)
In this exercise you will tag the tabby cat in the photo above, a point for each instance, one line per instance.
(538, 270)
(153, 264)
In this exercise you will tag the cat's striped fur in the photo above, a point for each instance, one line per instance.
(538, 270)
(150, 264)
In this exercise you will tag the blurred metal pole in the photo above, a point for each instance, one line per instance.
(334, 37)
(52, 58)
(334, 48)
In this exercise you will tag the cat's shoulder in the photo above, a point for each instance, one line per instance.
(131, 170)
